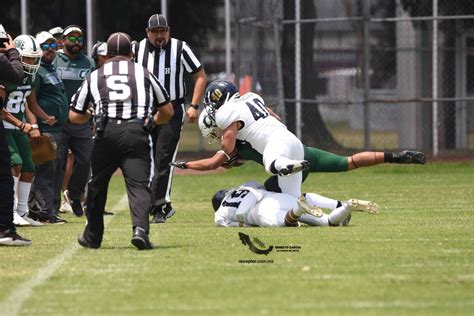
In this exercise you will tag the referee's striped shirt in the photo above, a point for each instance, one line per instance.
(120, 89)
(168, 64)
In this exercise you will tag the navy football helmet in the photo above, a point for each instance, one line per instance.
(217, 199)
(219, 92)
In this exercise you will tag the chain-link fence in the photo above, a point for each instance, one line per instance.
(358, 74)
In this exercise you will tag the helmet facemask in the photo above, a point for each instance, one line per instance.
(30, 64)
(207, 125)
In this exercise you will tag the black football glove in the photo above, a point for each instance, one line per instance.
(181, 164)
(234, 161)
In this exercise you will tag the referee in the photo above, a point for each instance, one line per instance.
(123, 96)
(169, 59)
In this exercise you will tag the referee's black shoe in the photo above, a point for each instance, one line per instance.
(140, 239)
(84, 243)
(77, 208)
(161, 214)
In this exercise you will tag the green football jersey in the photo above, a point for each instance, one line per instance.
(73, 71)
(16, 98)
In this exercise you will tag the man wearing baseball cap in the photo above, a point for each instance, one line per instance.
(45, 192)
(169, 59)
(57, 32)
(99, 53)
(73, 66)
(122, 111)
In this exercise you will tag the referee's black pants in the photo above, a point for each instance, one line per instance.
(124, 145)
(6, 184)
(165, 146)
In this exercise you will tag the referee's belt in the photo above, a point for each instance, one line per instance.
(112, 120)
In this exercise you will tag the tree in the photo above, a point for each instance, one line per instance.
(315, 131)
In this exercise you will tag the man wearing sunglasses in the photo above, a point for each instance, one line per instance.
(45, 197)
(73, 66)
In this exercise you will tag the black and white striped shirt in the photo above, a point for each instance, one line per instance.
(120, 89)
(168, 64)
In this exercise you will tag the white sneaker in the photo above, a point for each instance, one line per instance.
(19, 220)
(66, 203)
(305, 207)
(295, 167)
(65, 207)
(32, 222)
(363, 206)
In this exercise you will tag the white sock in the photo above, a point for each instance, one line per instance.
(23, 194)
(314, 221)
(321, 201)
(15, 187)
(339, 214)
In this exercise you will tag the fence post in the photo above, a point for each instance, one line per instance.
(434, 78)
(278, 65)
(366, 75)
(298, 68)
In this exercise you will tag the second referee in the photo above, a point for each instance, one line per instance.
(123, 96)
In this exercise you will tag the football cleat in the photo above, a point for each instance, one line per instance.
(363, 206)
(411, 157)
(293, 168)
(305, 207)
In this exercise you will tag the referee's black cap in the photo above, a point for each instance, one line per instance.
(119, 44)
(157, 21)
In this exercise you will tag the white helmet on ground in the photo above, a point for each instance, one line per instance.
(29, 47)
(207, 125)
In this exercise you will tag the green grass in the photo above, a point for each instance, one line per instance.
(415, 257)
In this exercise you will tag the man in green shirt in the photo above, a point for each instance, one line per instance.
(45, 195)
(73, 66)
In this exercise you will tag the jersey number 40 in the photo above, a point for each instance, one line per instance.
(257, 108)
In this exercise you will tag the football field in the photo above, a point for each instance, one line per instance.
(414, 258)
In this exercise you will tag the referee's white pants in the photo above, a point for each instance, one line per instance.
(284, 149)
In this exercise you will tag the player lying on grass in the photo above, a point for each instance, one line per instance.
(251, 205)
(320, 160)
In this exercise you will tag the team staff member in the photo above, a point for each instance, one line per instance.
(73, 66)
(126, 94)
(99, 53)
(11, 70)
(169, 59)
(57, 32)
(45, 195)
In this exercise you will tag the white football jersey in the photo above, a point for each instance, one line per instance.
(258, 125)
(255, 208)
(237, 205)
